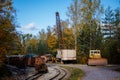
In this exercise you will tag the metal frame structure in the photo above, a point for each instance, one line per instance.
(59, 30)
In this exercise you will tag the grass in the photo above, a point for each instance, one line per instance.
(76, 74)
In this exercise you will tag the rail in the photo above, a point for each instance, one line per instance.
(34, 76)
(61, 76)
(55, 73)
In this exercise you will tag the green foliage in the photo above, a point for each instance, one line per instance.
(109, 20)
(111, 48)
(32, 45)
(42, 48)
(82, 58)
(111, 51)
(24, 39)
(42, 42)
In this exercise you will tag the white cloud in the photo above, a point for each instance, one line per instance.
(30, 28)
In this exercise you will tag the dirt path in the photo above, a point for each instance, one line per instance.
(99, 72)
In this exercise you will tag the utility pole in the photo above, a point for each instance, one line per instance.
(75, 33)
(90, 25)
(90, 34)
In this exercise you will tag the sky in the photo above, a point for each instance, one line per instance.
(35, 15)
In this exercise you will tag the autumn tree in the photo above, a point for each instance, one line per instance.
(68, 39)
(9, 40)
(85, 16)
(74, 17)
(32, 45)
(52, 44)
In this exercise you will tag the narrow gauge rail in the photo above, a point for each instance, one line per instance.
(65, 73)
(34, 76)
(60, 75)
(16, 72)
(54, 73)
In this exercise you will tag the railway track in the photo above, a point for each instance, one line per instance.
(55, 73)
(15, 70)
(61, 74)
(34, 76)
(17, 74)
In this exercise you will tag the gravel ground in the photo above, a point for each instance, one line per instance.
(99, 72)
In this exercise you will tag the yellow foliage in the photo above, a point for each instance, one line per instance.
(52, 43)
(32, 42)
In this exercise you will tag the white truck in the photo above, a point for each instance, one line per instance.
(66, 55)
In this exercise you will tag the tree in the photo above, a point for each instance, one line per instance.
(84, 14)
(24, 39)
(111, 48)
(8, 36)
(109, 20)
(52, 44)
(68, 38)
(42, 43)
(117, 20)
(49, 31)
(32, 45)
(74, 15)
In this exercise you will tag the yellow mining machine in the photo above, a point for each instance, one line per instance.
(96, 59)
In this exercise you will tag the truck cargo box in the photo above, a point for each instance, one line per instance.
(66, 55)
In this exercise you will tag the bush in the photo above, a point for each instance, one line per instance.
(82, 59)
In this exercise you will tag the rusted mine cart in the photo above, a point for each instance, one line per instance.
(22, 61)
(30, 59)
(40, 65)
(47, 57)
(16, 60)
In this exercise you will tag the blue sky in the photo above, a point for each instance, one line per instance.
(34, 15)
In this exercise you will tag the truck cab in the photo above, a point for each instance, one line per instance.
(95, 54)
